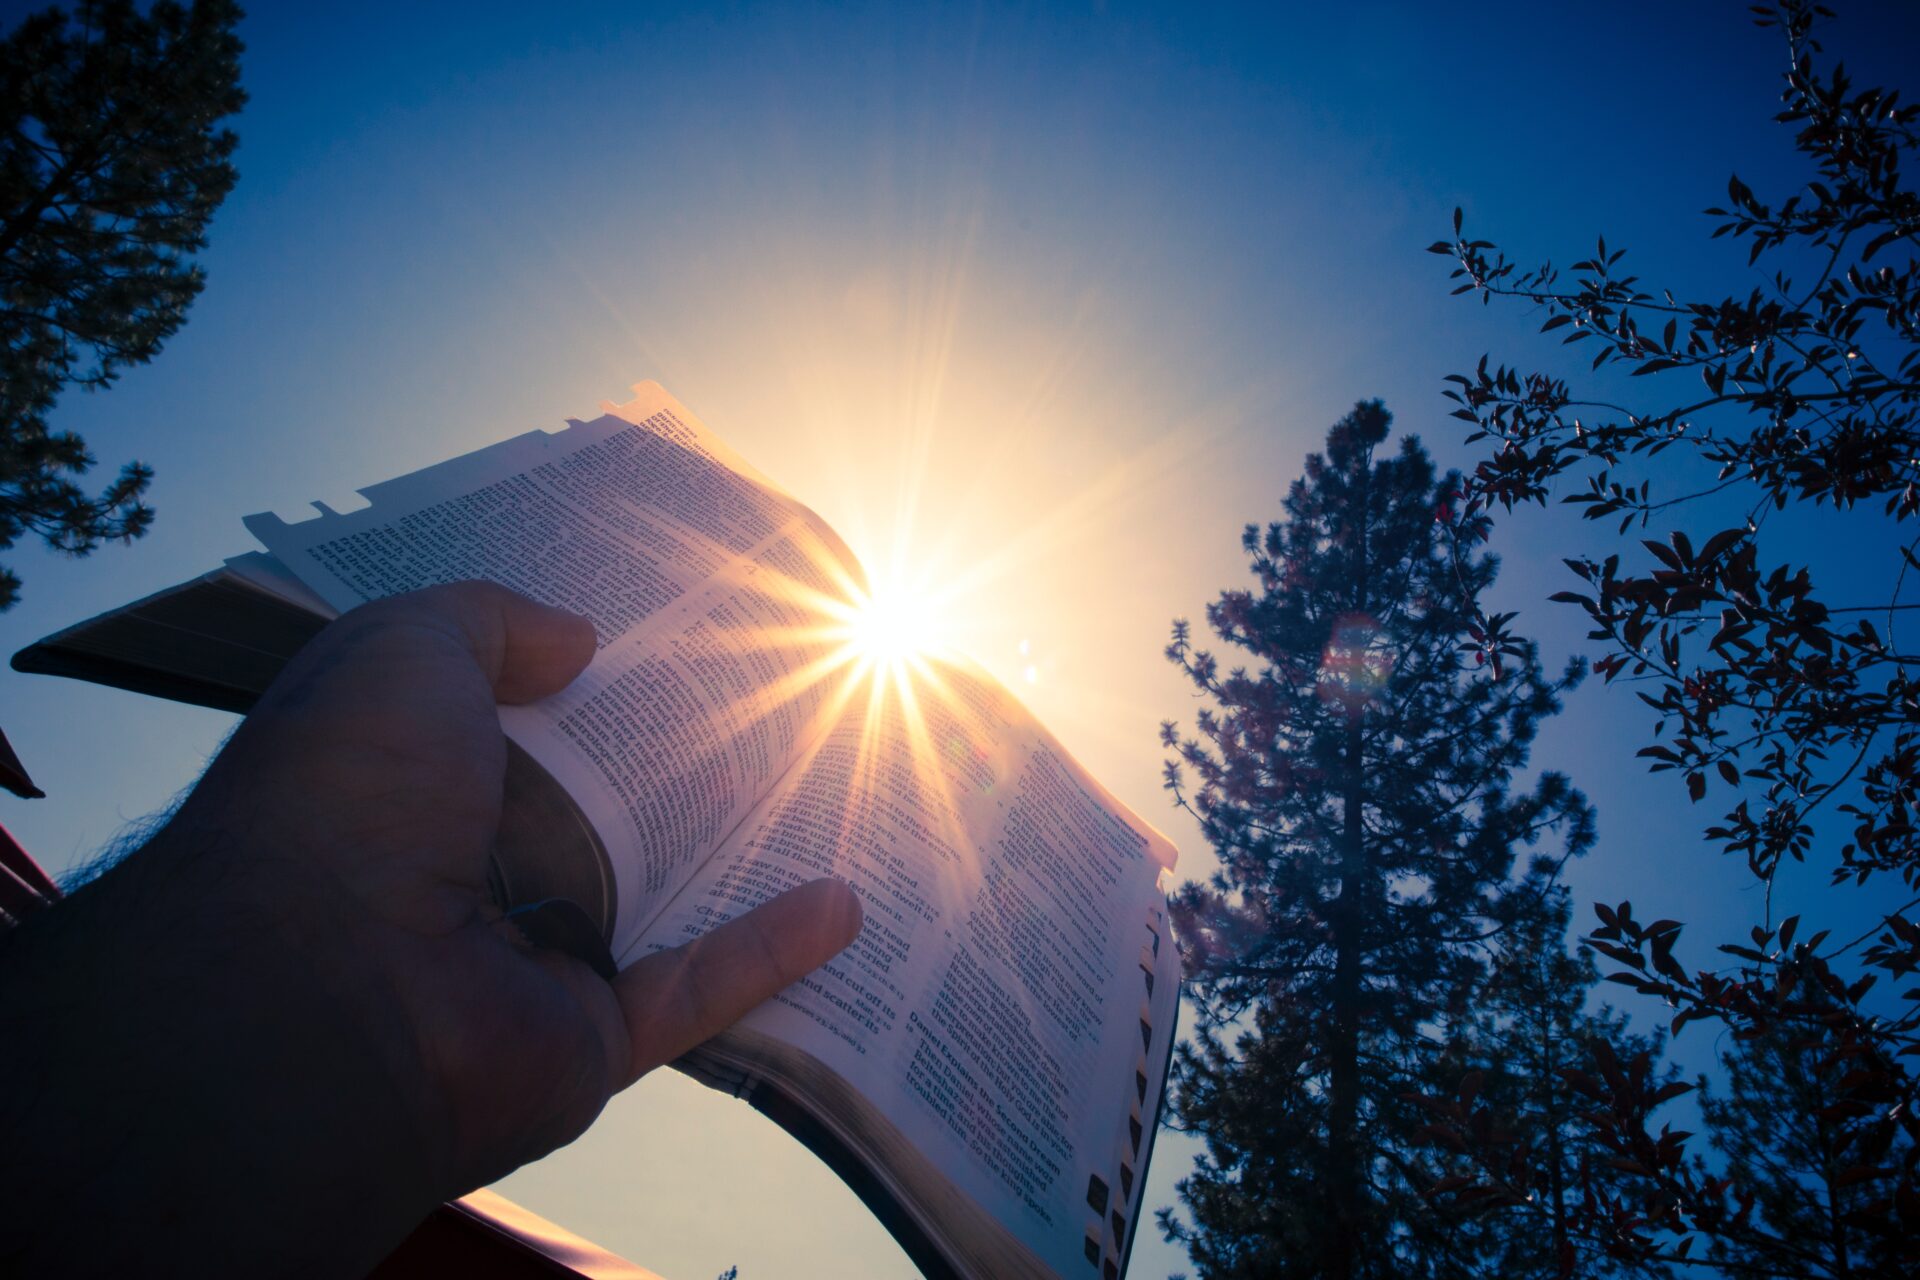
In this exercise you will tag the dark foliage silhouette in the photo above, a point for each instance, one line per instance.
(112, 163)
(1797, 393)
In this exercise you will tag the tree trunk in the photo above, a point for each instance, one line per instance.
(1343, 1109)
(1345, 1154)
(1556, 1151)
(1836, 1221)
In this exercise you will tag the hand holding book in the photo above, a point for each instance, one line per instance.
(302, 980)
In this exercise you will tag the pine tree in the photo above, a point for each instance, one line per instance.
(1514, 1069)
(111, 166)
(1782, 1124)
(1356, 785)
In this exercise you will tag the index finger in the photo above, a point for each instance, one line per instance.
(674, 1000)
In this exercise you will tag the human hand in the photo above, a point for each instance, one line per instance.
(380, 1024)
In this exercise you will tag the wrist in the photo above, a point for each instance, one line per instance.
(202, 1036)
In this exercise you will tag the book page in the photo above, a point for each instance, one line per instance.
(713, 595)
(993, 1005)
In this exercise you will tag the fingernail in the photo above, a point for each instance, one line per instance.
(841, 908)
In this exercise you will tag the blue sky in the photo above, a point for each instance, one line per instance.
(1065, 289)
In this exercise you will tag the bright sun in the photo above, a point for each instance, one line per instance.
(890, 626)
(895, 625)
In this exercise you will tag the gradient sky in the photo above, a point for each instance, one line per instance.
(1049, 298)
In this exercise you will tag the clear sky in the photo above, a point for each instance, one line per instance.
(1050, 299)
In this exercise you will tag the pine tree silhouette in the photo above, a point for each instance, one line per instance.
(1356, 782)
(111, 166)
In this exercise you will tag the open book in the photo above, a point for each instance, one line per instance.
(985, 1064)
